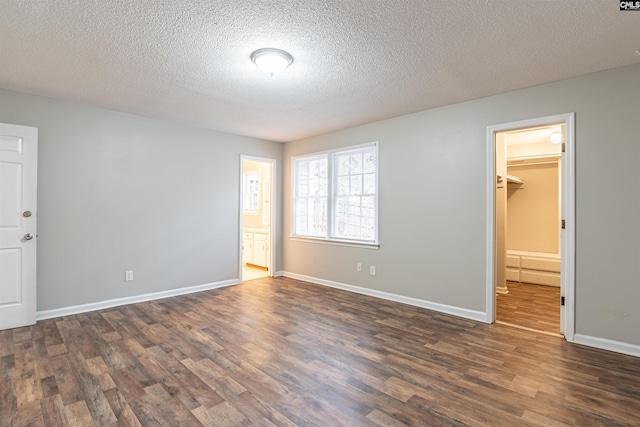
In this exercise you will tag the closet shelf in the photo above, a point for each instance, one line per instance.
(511, 179)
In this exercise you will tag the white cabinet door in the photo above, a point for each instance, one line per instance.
(260, 249)
(247, 248)
(18, 180)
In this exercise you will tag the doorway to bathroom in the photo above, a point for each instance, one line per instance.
(530, 280)
(257, 214)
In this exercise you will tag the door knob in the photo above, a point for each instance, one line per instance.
(28, 236)
(26, 214)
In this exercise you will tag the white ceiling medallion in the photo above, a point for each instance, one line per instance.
(271, 61)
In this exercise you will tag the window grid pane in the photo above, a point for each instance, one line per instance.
(310, 195)
(354, 212)
(350, 213)
(251, 191)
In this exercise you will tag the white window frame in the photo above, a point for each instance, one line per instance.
(332, 175)
(248, 194)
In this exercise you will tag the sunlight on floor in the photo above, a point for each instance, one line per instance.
(250, 272)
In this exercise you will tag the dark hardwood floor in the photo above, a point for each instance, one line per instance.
(530, 306)
(279, 352)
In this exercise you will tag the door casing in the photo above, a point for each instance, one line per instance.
(568, 236)
(273, 219)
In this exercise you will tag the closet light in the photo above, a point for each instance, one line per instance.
(271, 61)
(556, 138)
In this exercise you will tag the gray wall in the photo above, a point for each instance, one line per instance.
(121, 192)
(433, 166)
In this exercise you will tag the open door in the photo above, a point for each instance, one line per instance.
(565, 208)
(257, 217)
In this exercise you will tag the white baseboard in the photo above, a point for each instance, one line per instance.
(279, 273)
(442, 308)
(606, 344)
(502, 290)
(83, 308)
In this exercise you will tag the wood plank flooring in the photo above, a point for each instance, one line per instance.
(279, 352)
(530, 306)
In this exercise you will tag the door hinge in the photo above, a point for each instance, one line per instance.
(562, 301)
(563, 147)
(563, 224)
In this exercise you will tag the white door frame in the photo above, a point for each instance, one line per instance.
(272, 220)
(567, 274)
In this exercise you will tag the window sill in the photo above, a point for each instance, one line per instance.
(335, 242)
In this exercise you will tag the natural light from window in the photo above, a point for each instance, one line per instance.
(335, 195)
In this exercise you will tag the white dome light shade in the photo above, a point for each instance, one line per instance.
(271, 61)
(556, 138)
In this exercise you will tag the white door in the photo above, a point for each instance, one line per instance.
(18, 181)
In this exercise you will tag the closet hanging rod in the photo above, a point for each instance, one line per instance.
(549, 156)
(520, 164)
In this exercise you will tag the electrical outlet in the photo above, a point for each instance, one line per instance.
(359, 266)
(372, 270)
(128, 276)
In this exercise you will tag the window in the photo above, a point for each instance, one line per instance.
(335, 195)
(311, 196)
(251, 192)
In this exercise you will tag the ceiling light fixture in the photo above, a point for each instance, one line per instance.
(271, 61)
(556, 138)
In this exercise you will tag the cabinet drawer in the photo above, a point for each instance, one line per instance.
(260, 236)
(248, 236)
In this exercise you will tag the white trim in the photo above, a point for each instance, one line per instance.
(524, 160)
(442, 308)
(502, 290)
(550, 255)
(567, 276)
(100, 305)
(272, 221)
(490, 250)
(354, 244)
(606, 344)
(568, 195)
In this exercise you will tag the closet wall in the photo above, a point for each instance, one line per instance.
(533, 213)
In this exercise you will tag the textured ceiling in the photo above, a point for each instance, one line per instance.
(356, 61)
